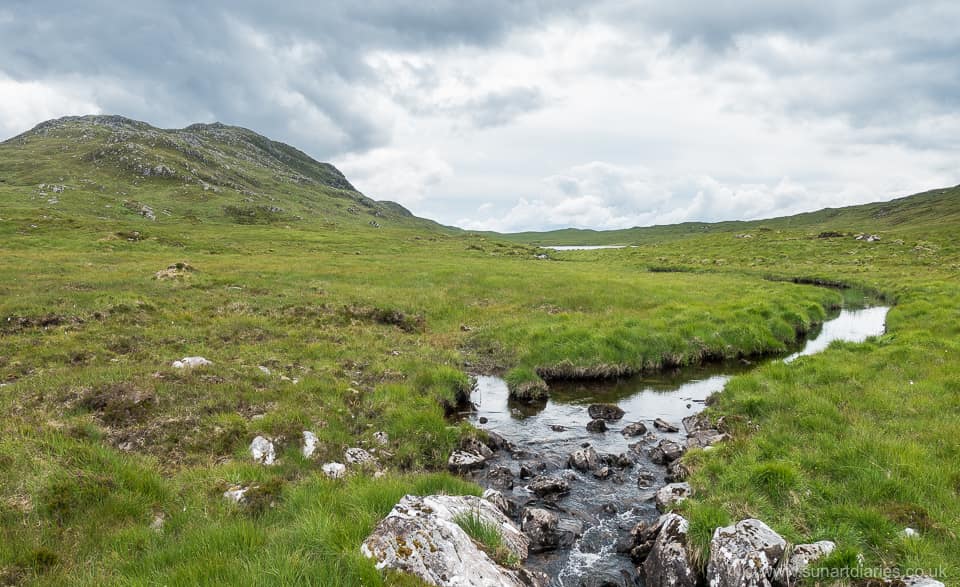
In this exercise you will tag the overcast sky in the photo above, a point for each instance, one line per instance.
(518, 115)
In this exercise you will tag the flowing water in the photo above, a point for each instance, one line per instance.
(549, 432)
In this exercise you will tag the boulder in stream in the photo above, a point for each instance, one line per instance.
(664, 426)
(635, 429)
(605, 412)
(666, 452)
(597, 425)
(585, 459)
(462, 461)
(668, 562)
(421, 537)
(544, 486)
(546, 531)
(500, 477)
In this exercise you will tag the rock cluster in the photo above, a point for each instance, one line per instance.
(421, 536)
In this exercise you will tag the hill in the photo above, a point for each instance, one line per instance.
(933, 208)
(115, 168)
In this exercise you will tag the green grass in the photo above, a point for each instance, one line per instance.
(488, 536)
(369, 329)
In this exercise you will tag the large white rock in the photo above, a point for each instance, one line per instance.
(420, 537)
(668, 564)
(310, 441)
(262, 451)
(671, 494)
(744, 555)
(191, 362)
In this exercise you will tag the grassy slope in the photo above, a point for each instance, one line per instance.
(937, 207)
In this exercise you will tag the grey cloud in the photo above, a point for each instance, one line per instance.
(173, 63)
(498, 108)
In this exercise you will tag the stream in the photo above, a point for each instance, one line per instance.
(548, 432)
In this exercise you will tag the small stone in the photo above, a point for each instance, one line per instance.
(236, 494)
(191, 362)
(262, 451)
(157, 524)
(264, 370)
(334, 470)
(381, 438)
(310, 442)
(358, 456)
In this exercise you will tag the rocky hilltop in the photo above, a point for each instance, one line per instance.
(113, 166)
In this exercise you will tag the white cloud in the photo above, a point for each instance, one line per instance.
(24, 104)
(396, 175)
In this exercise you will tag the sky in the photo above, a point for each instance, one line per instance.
(515, 115)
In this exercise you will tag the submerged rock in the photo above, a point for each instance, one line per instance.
(668, 562)
(672, 494)
(597, 426)
(262, 451)
(421, 537)
(605, 412)
(744, 555)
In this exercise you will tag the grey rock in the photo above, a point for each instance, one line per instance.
(597, 425)
(500, 478)
(801, 557)
(262, 451)
(547, 531)
(666, 452)
(663, 425)
(672, 494)
(334, 470)
(635, 429)
(420, 536)
(543, 486)
(605, 412)
(744, 555)
(358, 456)
(461, 461)
(585, 459)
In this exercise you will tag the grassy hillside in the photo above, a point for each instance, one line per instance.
(120, 170)
(362, 328)
(936, 207)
